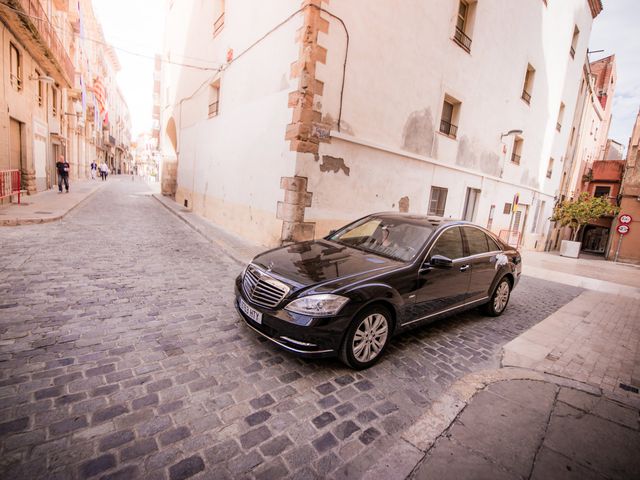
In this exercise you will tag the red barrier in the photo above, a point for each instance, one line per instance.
(10, 183)
(511, 238)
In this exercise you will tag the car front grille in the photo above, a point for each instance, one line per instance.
(262, 289)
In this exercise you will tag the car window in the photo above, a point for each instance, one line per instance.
(398, 238)
(362, 231)
(477, 241)
(449, 244)
(493, 246)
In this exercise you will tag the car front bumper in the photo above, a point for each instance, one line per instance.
(320, 338)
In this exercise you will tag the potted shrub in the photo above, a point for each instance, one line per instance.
(578, 213)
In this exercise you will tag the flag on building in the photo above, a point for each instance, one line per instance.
(101, 97)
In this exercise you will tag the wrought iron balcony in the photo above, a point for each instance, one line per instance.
(462, 39)
(218, 25)
(34, 21)
(448, 128)
(213, 109)
(515, 158)
(572, 52)
(558, 126)
(526, 96)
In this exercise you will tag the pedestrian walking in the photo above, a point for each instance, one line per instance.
(104, 171)
(94, 168)
(63, 173)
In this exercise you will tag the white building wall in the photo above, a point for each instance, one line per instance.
(402, 61)
(230, 165)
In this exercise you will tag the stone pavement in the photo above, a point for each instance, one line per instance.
(518, 424)
(48, 206)
(122, 356)
(594, 339)
(566, 403)
(589, 271)
(234, 246)
(537, 429)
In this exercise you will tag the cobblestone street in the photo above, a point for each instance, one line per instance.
(122, 356)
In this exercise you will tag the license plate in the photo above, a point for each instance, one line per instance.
(252, 313)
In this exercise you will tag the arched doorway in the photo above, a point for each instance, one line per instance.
(169, 179)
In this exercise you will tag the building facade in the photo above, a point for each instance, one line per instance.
(37, 73)
(296, 118)
(605, 179)
(628, 250)
(588, 140)
(51, 51)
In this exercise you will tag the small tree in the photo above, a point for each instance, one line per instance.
(581, 211)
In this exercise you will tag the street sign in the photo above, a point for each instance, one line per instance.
(623, 229)
(625, 219)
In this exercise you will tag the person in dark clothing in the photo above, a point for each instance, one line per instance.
(63, 173)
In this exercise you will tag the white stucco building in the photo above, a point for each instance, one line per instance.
(292, 119)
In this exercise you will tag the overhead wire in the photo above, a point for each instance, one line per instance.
(286, 20)
(106, 44)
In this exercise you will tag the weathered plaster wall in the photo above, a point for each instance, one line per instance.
(230, 166)
(396, 81)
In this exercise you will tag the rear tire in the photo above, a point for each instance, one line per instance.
(367, 338)
(499, 300)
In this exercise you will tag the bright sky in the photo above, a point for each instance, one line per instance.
(615, 31)
(141, 28)
(136, 26)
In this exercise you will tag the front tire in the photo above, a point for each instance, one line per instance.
(366, 338)
(500, 298)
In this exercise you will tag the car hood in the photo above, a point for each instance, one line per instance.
(322, 263)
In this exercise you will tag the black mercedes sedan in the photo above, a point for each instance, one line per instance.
(346, 295)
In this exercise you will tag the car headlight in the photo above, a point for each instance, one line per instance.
(318, 305)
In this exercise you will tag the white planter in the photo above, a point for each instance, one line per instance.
(570, 249)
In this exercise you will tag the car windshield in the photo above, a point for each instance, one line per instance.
(397, 238)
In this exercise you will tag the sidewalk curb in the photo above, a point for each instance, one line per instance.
(416, 441)
(228, 250)
(37, 221)
(584, 282)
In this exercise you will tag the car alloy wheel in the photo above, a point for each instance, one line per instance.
(499, 299)
(367, 338)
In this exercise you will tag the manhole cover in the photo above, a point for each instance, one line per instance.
(43, 213)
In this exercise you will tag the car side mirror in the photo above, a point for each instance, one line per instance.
(440, 261)
(331, 232)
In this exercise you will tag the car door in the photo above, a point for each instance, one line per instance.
(442, 288)
(483, 252)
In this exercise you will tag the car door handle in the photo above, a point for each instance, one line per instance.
(465, 268)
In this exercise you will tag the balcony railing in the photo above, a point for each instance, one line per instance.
(515, 158)
(213, 109)
(572, 52)
(462, 39)
(218, 24)
(526, 96)
(448, 128)
(558, 126)
(37, 17)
